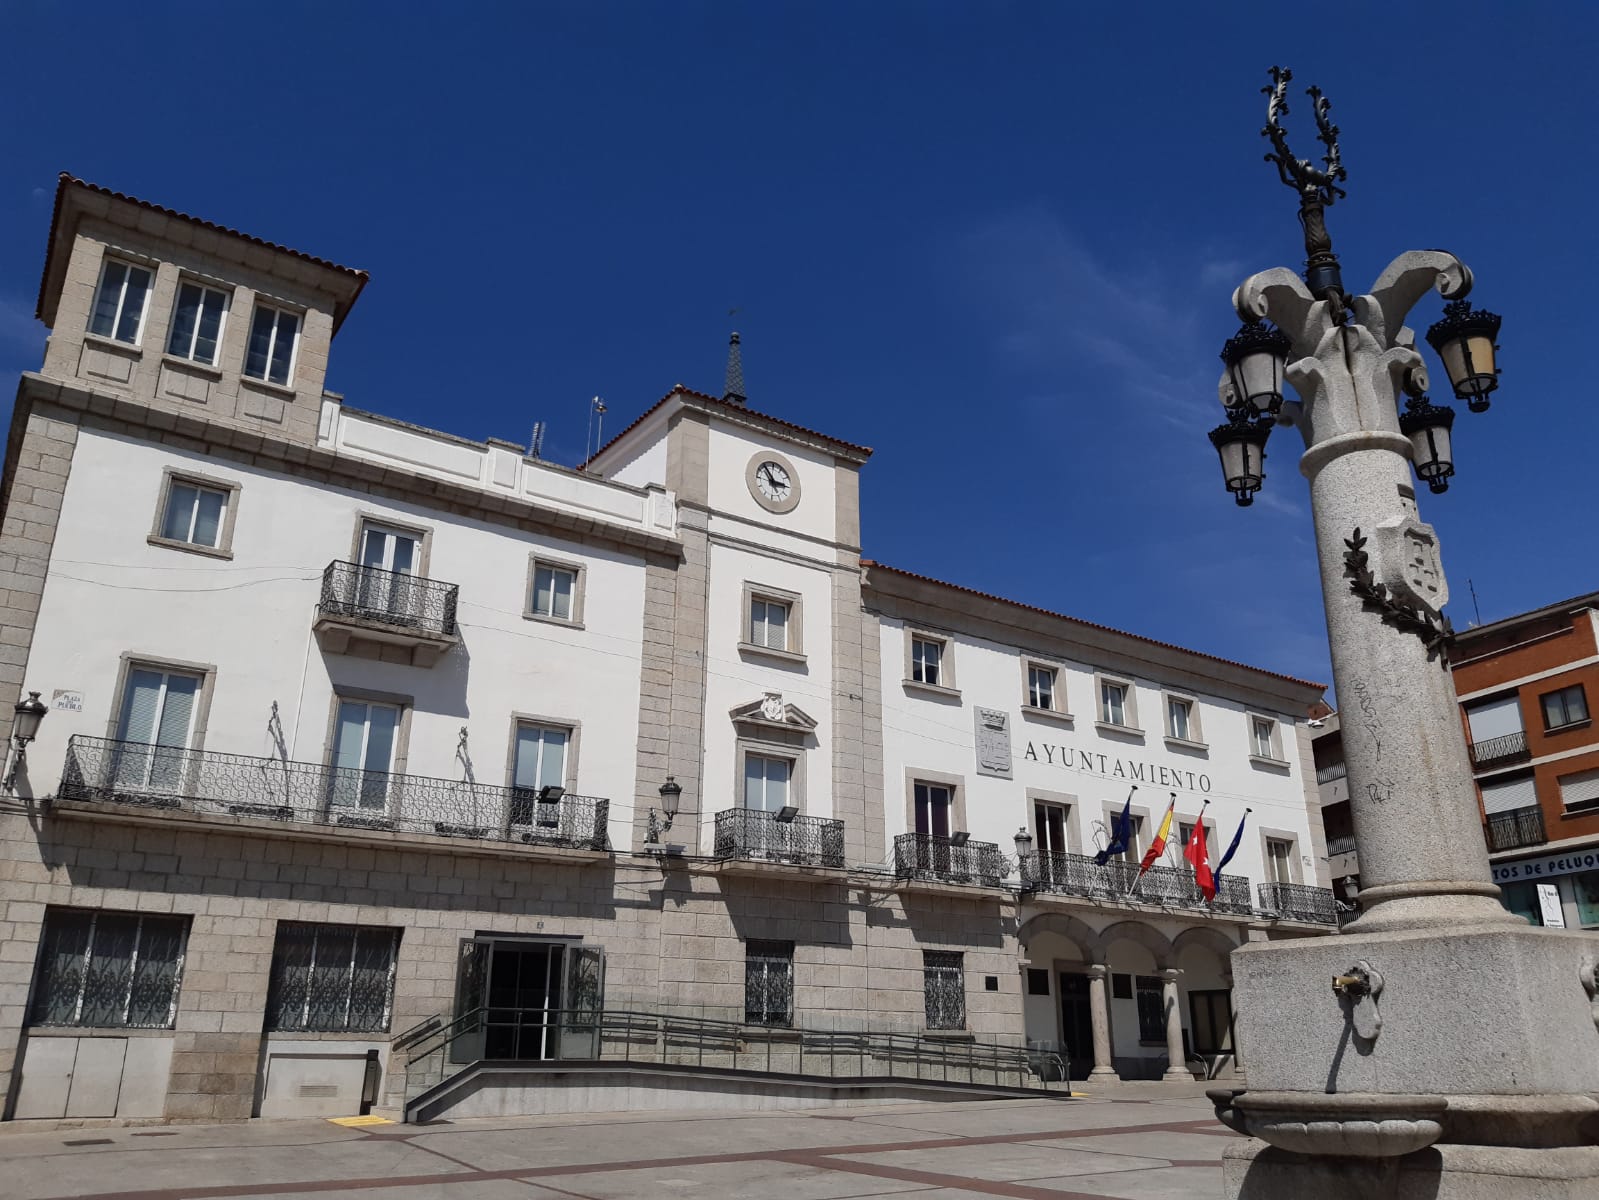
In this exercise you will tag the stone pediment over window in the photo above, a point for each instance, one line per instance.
(770, 713)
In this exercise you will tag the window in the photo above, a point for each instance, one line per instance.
(766, 781)
(927, 656)
(944, 989)
(934, 803)
(119, 302)
(1264, 741)
(1151, 1010)
(331, 979)
(1494, 719)
(1040, 687)
(1185, 830)
(1522, 899)
(1279, 860)
(364, 742)
(1133, 854)
(193, 514)
(1587, 889)
(157, 717)
(1049, 827)
(1210, 1017)
(769, 983)
(108, 970)
(1037, 981)
(541, 755)
(1568, 706)
(1578, 791)
(270, 352)
(1121, 987)
(1180, 723)
(1118, 704)
(197, 323)
(388, 559)
(554, 592)
(768, 623)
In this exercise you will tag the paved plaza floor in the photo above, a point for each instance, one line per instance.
(1141, 1142)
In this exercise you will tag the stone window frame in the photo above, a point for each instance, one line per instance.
(575, 567)
(259, 301)
(227, 292)
(127, 259)
(794, 628)
(772, 743)
(1196, 728)
(1276, 759)
(1072, 825)
(233, 488)
(1296, 872)
(131, 661)
(1129, 704)
(1058, 711)
(402, 733)
(37, 995)
(574, 734)
(957, 797)
(947, 685)
(423, 533)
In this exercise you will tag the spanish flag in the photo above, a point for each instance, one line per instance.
(1158, 846)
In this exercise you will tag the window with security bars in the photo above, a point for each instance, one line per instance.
(1151, 1009)
(332, 979)
(109, 970)
(944, 988)
(769, 983)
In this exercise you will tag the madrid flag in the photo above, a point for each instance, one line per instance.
(1195, 853)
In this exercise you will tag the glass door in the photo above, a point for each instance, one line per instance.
(158, 712)
(471, 991)
(363, 756)
(583, 1004)
(388, 560)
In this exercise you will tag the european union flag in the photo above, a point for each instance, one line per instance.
(1121, 833)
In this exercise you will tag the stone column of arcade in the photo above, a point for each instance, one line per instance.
(1099, 1017)
(1174, 1027)
(1439, 1047)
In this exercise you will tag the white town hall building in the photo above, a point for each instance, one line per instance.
(352, 730)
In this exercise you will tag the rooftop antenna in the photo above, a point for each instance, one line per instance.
(596, 427)
(535, 441)
(733, 389)
(1473, 590)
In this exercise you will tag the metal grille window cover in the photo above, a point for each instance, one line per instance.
(1079, 875)
(1298, 902)
(395, 598)
(934, 857)
(109, 970)
(106, 771)
(332, 978)
(803, 841)
(769, 983)
(1151, 1009)
(944, 987)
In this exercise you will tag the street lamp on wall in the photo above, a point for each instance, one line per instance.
(671, 793)
(24, 728)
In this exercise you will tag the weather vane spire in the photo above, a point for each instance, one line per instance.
(1317, 186)
(733, 389)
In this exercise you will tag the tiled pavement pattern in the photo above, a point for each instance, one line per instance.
(1165, 1145)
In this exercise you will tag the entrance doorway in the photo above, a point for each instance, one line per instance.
(1210, 1018)
(1076, 1024)
(532, 1000)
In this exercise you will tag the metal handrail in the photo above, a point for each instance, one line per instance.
(752, 833)
(1117, 879)
(107, 771)
(394, 598)
(935, 857)
(1515, 828)
(1499, 749)
(1299, 902)
(664, 1039)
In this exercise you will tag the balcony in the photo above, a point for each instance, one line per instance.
(1499, 751)
(135, 774)
(931, 858)
(388, 615)
(751, 835)
(1344, 843)
(1514, 829)
(1296, 902)
(1079, 875)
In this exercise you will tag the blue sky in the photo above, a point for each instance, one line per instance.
(994, 241)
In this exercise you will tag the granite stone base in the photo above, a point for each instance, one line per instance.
(1252, 1170)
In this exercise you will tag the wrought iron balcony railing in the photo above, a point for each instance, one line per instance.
(1299, 903)
(1079, 875)
(111, 772)
(391, 598)
(929, 856)
(1498, 750)
(801, 841)
(1518, 827)
(1342, 844)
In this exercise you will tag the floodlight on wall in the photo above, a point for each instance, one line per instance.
(960, 837)
(787, 813)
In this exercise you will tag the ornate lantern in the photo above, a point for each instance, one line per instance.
(1465, 341)
(1255, 358)
(1428, 428)
(1241, 442)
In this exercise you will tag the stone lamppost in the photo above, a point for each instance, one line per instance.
(1438, 1047)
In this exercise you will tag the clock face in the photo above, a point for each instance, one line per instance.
(773, 481)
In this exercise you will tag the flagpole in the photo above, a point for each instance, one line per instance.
(1164, 824)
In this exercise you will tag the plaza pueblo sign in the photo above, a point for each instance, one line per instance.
(1116, 768)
